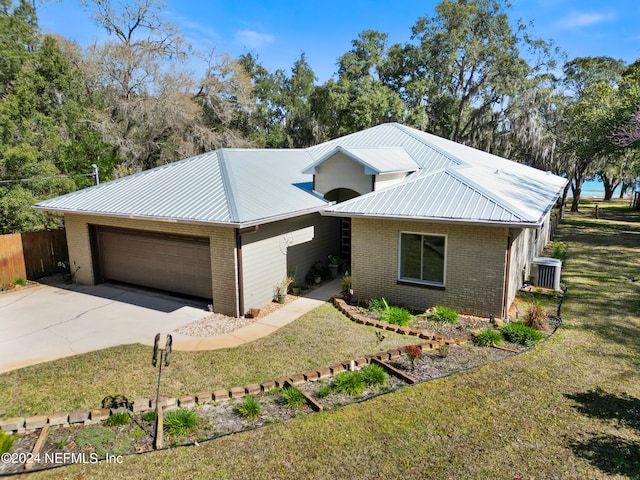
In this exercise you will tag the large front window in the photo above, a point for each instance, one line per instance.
(422, 258)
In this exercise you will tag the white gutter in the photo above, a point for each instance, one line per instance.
(487, 223)
(252, 223)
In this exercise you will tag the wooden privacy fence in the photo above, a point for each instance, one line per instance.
(31, 255)
(11, 259)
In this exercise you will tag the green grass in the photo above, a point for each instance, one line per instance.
(396, 315)
(521, 334)
(181, 421)
(349, 383)
(373, 374)
(293, 398)
(119, 418)
(444, 315)
(378, 304)
(390, 313)
(6, 441)
(567, 409)
(488, 337)
(325, 389)
(320, 338)
(103, 440)
(250, 407)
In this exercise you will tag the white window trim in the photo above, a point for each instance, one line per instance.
(423, 282)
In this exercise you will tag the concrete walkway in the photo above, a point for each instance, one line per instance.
(45, 323)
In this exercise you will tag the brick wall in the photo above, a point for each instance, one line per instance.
(475, 265)
(221, 240)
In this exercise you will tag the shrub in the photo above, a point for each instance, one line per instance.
(444, 315)
(346, 284)
(119, 418)
(373, 375)
(149, 416)
(293, 398)
(250, 407)
(181, 421)
(396, 315)
(19, 281)
(519, 333)
(559, 250)
(535, 316)
(378, 304)
(487, 337)
(6, 442)
(349, 383)
(324, 390)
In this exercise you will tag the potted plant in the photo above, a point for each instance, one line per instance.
(295, 288)
(334, 264)
(318, 272)
(283, 288)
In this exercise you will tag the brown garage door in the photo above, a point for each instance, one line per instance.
(174, 263)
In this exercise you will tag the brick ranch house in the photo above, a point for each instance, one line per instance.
(421, 220)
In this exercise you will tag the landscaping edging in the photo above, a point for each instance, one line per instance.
(141, 405)
(354, 316)
(383, 359)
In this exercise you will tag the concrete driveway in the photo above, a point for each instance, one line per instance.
(43, 323)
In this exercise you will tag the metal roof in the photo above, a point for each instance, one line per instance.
(228, 186)
(244, 187)
(376, 160)
(391, 135)
(500, 185)
(438, 195)
(268, 183)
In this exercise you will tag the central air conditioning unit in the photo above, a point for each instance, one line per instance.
(545, 272)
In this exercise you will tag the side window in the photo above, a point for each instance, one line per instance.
(422, 258)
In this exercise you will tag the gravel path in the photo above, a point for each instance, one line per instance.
(214, 325)
(218, 324)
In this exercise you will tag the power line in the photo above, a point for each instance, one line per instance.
(24, 180)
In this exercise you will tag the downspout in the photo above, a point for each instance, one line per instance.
(240, 279)
(505, 294)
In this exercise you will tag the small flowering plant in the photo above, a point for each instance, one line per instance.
(414, 353)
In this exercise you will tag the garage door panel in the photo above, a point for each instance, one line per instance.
(172, 263)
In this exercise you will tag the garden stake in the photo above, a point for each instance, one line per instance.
(158, 435)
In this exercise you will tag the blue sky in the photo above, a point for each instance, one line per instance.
(277, 31)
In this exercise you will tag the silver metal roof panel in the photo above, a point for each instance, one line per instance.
(390, 135)
(442, 195)
(251, 186)
(376, 160)
(222, 187)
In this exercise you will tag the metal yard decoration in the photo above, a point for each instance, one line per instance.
(158, 435)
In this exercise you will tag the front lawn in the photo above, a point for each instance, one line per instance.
(568, 409)
(320, 338)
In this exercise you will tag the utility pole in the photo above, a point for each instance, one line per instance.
(158, 435)
(96, 173)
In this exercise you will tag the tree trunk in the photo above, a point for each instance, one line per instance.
(565, 194)
(608, 191)
(576, 189)
(623, 189)
(609, 186)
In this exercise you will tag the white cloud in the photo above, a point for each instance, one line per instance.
(577, 19)
(252, 39)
